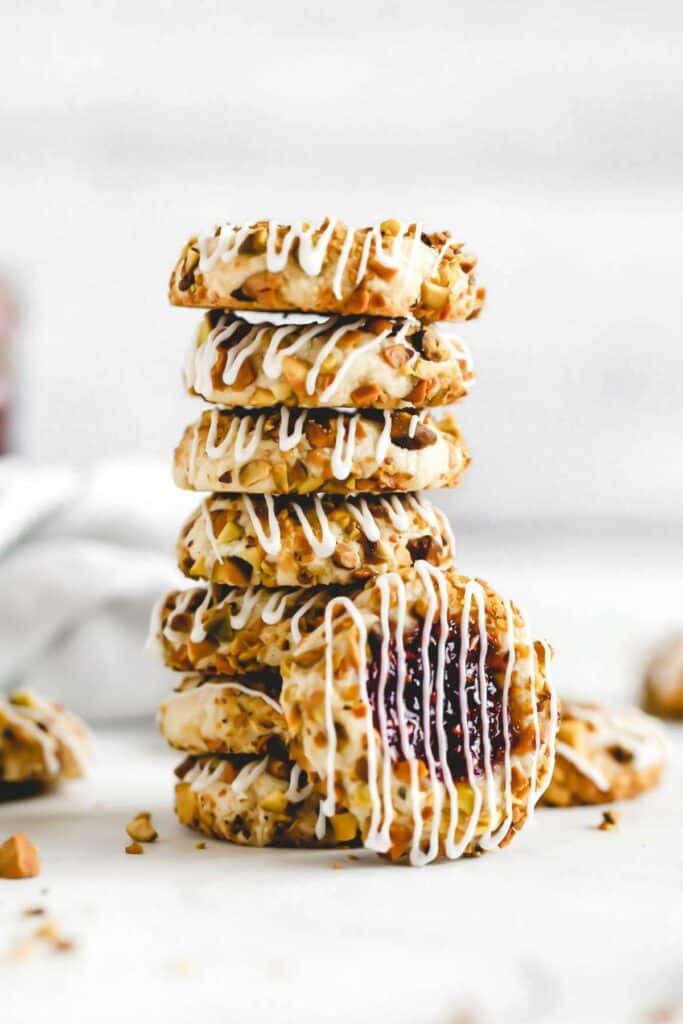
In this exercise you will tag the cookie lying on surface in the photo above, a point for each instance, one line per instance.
(213, 714)
(41, 742)
(235, 631)
(262, 801)
(663, 689)
(296, 452)
(343, 361)
(246, 540)
(391, 269)
(424, 707)
(603, 754)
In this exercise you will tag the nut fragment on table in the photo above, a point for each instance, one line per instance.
(19, 858)
(609, 821)
(141, 829)
(135, 849)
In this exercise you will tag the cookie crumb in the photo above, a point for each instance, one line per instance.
(134, 848)
(33, 911)
(353, 856)
(609, 821)
(200, 846)
(19, 858)
(140, 828)
(337, 865)
(47, 935)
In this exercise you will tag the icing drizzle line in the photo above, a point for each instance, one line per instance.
(201, 359)
(379, 748)
(311, 254)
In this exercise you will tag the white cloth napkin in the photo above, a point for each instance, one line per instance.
(83, 558)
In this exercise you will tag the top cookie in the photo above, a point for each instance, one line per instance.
(390, 269)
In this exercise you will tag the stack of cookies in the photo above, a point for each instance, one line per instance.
(343, 683)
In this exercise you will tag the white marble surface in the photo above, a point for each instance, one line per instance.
(568, 924)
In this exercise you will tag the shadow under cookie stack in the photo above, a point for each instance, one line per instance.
(343, 684)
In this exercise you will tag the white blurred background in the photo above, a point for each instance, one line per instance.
(548, 136)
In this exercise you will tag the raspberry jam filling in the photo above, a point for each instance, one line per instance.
(413, 698)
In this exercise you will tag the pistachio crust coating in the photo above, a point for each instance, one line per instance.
(216, 714)
(239, 540)
(604, 754)
(321, 450)
(255, 802)
(231, 631)
(361, 362)
(391, 270)
(40, 741)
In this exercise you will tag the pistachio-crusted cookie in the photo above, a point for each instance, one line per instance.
(425, 708)
(231, 631)
(215, 714)
(362, 362)
(603, 754)
(256, 801)
(391, 269)
(663, 688)
(241, 540)
(281, 451)
(41, 742)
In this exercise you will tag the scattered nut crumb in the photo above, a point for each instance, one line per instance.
(609, 821)
(140, 828)
(200, 846)
(337, 865)
(33, 911)
(353, 856)
(47, 935)
(134, 848)
(19, 858)
(49, 932)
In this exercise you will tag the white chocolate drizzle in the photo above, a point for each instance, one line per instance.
(294, 794)
(222, 684)
(245, 432)
(247, 775)
(268, 605)
(202, 358)
(483, 786)
(311, 255)
(201, 776)
(622, 727)
(271, 541)
(20, 716)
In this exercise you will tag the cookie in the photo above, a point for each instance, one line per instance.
(663, 687)
(256, 801)
(299, 542)
(282, 451)
(603, 754)
(425, 707)
(361, 362)
(234, 631)
(214, 714)
(41, 742)
(391, 269)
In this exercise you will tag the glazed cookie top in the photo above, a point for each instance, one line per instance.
(360, 362)
(40, 740)
(285, 451)
(601, 742)
(241, 540)
(427, 702)
(234, 630)
(390, 269)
